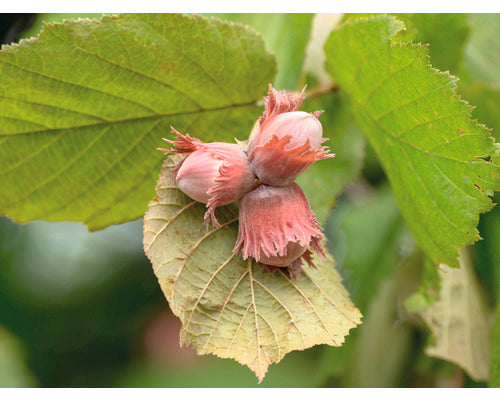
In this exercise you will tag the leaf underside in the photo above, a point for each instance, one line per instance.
(85, 105)
(440, 163)
(234, 308)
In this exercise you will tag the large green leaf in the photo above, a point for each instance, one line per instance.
(234, 308)
(435, 156)
(85, 105)
(286, 35)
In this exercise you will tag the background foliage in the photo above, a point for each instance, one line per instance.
(81, 309)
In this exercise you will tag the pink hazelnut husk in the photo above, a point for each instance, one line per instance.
(212, 173)
(285, 142)
(277, 227)
(276, 102)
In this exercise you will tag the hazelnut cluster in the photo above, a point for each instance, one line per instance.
(276, 224)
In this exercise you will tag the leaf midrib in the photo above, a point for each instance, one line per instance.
(132, 119)
(122, 120)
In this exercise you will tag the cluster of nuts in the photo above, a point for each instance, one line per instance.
(276, 224)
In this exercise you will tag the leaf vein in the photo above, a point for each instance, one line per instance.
(421, 96)
(106, 172)
(59, 172)
(311, 305)
(206, 235)
(292, 320)
(31, 155)
(179, 51)
(77, 85)
(169, 222)
(388, 76)
(230, 294)
(426, 189)
(142, 75)
(205, 288)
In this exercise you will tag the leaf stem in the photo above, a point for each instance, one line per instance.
(321, 91)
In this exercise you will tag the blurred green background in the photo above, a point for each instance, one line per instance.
(80, 309)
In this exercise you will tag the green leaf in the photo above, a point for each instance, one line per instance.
(428, 290)
(383, 342)
(491, 226)
(459, 321)
(482, 52)
(78, 131)
(14, 372)
(286, 35)
(364, 257)
(495, 351)
(234, 308)
(325, 180)
(373, 269)
(435, 157)
(213, 372)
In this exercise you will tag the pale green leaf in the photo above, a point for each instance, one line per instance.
(495, 351)
(445, 33)
(459, 321)
(13, 370)
(435, 156)
(212, 372)
(234, 308)
(377, 280)
(366, 258)
(482, 52)
(491, 230)
(85, 105)
(286, 35)
(487, 102)
(428, 290)
(383, 341)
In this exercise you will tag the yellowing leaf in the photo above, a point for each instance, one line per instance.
(459, 321)
(234, 308)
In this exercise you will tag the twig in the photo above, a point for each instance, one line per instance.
(320, 91)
